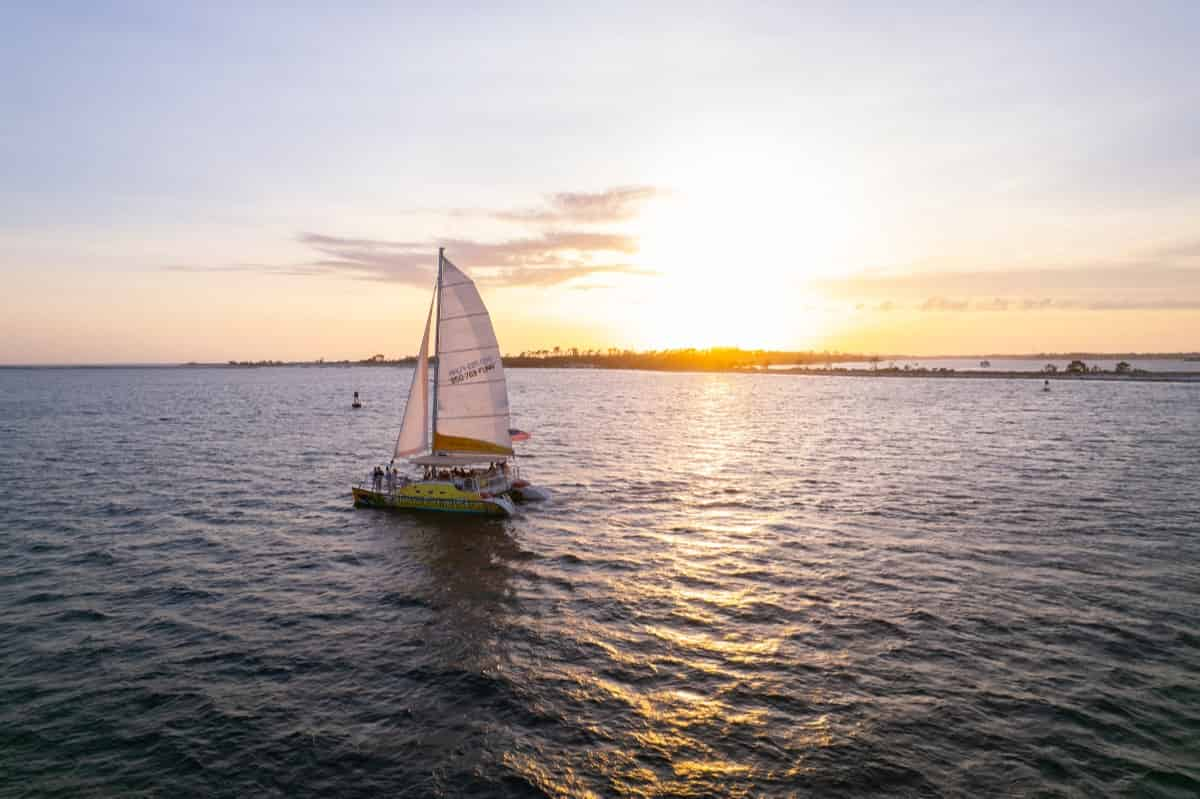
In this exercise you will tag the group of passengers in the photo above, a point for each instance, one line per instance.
(390, 477)
(457, 474)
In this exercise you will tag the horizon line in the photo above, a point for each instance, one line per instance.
(844, 355)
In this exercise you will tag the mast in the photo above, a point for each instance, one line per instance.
(437, 329)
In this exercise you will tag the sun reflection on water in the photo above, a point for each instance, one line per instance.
(700, 672)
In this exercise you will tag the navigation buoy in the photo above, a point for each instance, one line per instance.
(356, 403)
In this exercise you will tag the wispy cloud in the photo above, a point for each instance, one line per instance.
(1051, 304)
(617, 204)
(369, 259)
(1182, 249)
(524, 276)
(1143, 285)
(547, 257)
(546, 260)
(1013, 282)
(1145, 305)
(943, 304)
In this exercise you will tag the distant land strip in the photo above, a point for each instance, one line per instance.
(770, 361)
(721, 359)
(728, 359)
(680, 361)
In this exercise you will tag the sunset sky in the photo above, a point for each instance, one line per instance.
(188, 182)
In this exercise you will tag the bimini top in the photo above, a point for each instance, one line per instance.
(463, 459)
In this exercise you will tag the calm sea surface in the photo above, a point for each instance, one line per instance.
(743, 585)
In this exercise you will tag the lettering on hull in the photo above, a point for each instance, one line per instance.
(428, 503)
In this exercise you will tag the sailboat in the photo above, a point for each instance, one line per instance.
(460, 442)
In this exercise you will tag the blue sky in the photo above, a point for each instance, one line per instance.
(177, 163)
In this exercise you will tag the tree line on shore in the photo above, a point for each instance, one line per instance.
(688, 359)
(716, 359)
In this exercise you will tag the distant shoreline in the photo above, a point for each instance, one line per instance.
(1136, 376)
(713, 360)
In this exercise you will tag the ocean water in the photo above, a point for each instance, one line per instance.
(743, 585)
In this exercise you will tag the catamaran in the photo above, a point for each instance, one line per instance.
(461, 442)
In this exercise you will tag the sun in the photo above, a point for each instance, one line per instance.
(735, 258)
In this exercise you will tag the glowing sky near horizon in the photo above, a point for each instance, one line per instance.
(203, 183)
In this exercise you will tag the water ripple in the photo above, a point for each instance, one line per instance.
(743, 585)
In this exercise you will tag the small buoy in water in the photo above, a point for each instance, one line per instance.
(1045, 385)
(356, 403)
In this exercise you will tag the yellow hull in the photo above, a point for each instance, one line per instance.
(437, 496)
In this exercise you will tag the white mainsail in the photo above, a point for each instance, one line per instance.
(414, 430)
(471, 394)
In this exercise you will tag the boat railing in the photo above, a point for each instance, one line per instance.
(493, 482)
(384, 485)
